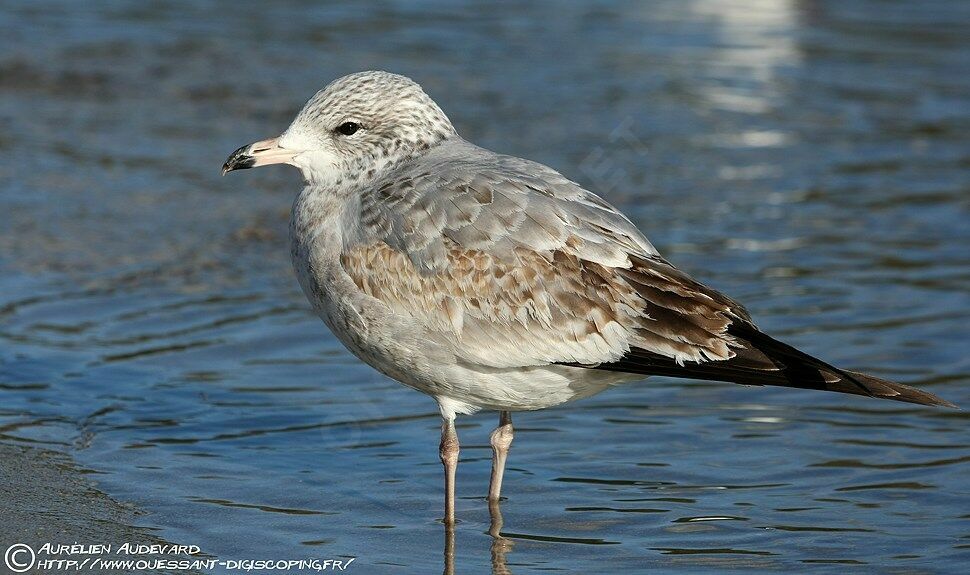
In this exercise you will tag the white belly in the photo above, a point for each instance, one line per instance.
(394, 345)
(523, 389)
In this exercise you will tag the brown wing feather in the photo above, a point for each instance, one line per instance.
(755, 358)
(529, 309)
(680, 313)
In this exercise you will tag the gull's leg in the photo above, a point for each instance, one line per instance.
(501, 441)
(448, 451)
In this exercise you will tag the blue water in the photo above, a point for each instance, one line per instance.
(809, 158)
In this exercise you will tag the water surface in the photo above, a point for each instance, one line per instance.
(809, 158)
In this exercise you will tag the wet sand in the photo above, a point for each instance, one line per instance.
(47, 499)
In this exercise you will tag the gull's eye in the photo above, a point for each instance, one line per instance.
(348, 128)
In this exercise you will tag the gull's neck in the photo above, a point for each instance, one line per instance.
(319, 217)
(327, 215)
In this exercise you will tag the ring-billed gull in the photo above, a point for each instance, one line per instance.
(492, 282)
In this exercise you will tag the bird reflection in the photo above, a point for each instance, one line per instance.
(449, 548)
(501, 546)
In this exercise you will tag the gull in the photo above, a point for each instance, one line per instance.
(493, 282)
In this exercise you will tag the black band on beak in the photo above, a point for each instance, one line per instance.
(239, 160)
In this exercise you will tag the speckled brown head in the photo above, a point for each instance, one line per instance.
(356, 127)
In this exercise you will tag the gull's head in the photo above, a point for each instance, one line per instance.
(353, 129)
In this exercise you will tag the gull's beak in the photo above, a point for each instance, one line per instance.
(261, 153)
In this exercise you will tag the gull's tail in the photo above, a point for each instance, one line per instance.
(764, 360)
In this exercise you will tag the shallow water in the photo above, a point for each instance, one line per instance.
(809, 158)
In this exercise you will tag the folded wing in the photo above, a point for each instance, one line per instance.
(513, 265)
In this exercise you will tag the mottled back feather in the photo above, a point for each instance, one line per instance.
(515, 265)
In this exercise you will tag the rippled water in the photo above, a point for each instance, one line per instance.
(809, 158)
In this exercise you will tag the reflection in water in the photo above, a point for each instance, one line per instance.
(500, 547)
(449, 548)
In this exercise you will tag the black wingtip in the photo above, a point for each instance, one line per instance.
(884, 389)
